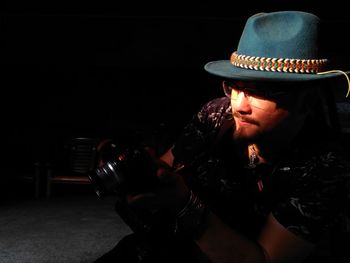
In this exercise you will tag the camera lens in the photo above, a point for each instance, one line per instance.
(132, 170)
(107, 179)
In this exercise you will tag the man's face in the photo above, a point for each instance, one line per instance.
(261, 112)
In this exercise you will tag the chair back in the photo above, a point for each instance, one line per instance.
(83, 155)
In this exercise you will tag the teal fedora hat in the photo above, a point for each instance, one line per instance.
(277, 46)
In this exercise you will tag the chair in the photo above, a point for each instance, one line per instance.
(74, 164)
(22, 173)
(25, 180)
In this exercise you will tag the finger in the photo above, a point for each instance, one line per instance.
(151, 151)
(144, 200)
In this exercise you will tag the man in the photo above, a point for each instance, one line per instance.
(255, 176)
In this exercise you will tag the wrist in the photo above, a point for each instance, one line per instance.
(192, 218)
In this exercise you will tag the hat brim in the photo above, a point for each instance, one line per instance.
(224, 68)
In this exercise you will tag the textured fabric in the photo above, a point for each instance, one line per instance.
(307, 191)
(283, 36)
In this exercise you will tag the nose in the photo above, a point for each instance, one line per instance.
(242, 104)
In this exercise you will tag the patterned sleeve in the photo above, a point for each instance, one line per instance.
(200, 132)
(320, 198)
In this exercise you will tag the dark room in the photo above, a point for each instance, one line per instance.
(96, 97)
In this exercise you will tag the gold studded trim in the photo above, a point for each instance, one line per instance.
(278, 64)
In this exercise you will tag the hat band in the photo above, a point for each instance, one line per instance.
(278, 64)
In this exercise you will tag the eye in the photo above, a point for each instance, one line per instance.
(255, 93)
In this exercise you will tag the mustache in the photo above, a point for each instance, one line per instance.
(245, 118)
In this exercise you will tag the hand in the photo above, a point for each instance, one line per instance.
(172, 192)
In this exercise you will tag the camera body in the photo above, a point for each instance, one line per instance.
(124, 170)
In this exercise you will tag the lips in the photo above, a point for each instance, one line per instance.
(244, 120)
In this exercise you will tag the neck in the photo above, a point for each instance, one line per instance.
(271, 148)
(267, 153)
(274, 145)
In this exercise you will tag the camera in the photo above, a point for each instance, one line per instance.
(124, 170)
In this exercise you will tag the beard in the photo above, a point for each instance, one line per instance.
(249, 132)
(243, 134)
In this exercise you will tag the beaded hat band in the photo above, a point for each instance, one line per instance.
(278, 64)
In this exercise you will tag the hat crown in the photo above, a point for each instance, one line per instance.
(277, 46)
(285, 34)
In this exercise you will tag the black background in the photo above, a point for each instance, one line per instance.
(106, 69)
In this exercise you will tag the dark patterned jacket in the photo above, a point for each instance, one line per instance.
(307, 191)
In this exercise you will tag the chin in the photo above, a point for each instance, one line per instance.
(243, 135)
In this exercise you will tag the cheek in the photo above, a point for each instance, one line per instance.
(269, 121)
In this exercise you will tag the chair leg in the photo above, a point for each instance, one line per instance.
(48, 184)
(37, 181)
